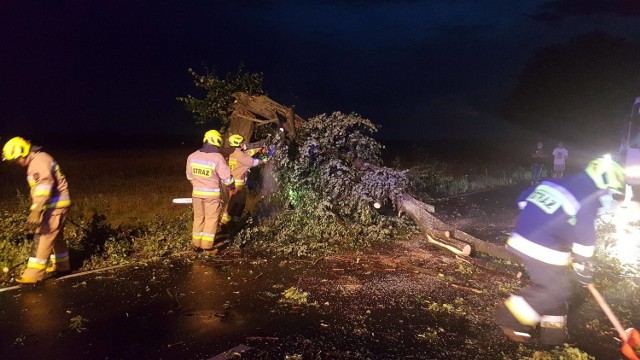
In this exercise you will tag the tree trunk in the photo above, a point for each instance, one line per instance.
(431, 225)
(240, 123)
(487, 248)
(420, 213)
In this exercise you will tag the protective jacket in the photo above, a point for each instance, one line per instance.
(48, 184)
(557, 219)
(207, 170)
(240, 162)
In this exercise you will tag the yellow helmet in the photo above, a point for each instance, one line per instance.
(606, 174)
(235, 140)
(213, 137)
(15, 148)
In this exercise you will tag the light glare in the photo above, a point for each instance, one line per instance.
(625, 217)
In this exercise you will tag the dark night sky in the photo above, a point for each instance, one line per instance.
(421, 69)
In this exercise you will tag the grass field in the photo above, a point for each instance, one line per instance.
(133, 186)
(127, 186)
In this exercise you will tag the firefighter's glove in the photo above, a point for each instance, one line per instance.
(583, 267)
(35, 216)
(272, 150)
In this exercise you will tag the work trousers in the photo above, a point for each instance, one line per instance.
(49, 244)
(234, 206)
(543, 302)
(206, 214)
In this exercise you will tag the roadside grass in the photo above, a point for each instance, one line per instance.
(122, 210)
(432, 178)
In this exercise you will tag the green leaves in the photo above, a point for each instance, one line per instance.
(329, 181)
(99, 243)
(216, 106)
(294, 296)
(338, 160)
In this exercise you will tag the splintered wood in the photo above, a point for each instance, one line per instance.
(251, 111)
(454, 245)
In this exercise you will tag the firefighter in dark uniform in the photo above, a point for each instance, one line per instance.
(555, 229)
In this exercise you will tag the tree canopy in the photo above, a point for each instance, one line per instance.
(329, 181)
(215, 107)
(580, 91)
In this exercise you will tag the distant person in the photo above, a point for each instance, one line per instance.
(538, 157)
(240, 161)
(49, 209)
(207, 170)
(560, 155)
(555, 229)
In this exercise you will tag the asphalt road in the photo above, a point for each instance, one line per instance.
(169, 310)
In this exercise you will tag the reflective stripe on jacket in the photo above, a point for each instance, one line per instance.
(240, 162)
(539, 252)
(207, 172)
(48, 184)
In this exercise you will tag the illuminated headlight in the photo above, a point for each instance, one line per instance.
(632, 171)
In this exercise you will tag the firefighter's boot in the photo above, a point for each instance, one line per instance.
(57, 268)
(553, 330)
(26, 280)
(516, 336)
(511, 327)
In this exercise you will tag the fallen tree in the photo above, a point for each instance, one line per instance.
(328, 170)
(251, 112)
(443, 234)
